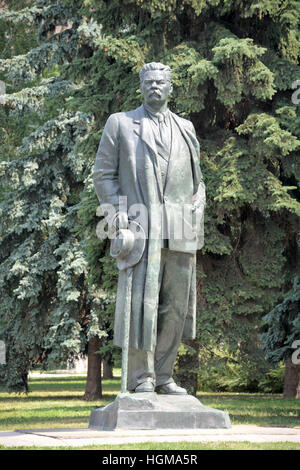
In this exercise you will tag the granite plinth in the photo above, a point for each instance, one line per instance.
(154, 411)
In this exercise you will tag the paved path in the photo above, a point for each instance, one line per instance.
(79, 437)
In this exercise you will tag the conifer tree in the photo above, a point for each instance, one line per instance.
(282, 338)
(48, 313)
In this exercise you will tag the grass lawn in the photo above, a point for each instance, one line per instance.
(57, 402)
(178, 446)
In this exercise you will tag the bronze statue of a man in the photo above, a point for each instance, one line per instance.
(150, 158)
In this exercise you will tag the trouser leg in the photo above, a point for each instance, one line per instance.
(172, 311)
(140, 367)
(174, 279)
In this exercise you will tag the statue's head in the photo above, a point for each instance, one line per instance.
(156, 84)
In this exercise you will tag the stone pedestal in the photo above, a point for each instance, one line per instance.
(154, 411)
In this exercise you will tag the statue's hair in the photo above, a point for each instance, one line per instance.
(155, 66)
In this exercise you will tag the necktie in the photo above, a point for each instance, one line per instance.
(163, 131)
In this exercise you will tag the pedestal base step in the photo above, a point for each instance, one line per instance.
(153, 411)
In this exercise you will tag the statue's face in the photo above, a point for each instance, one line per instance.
(156, 88)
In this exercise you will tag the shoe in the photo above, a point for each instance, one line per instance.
(145, 387)
(171, 389)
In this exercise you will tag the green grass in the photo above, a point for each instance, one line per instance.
(56, 402)
(256, 409)
(244, 445)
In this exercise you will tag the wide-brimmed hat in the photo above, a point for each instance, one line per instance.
(128, 245)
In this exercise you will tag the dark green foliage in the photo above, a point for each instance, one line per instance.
(42, 274)
(241, 378)
(233, 65)
(47, 312)
(283, 326)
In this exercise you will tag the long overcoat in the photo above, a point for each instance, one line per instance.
(127, 165)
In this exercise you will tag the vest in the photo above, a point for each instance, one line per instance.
(181, 169)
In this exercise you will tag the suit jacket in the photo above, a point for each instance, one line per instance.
(127, 165)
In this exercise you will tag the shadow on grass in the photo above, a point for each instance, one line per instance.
(44, 415)
(238, 396)
(29, 398)
(273, 421)
(67, 388)
(45, 423)
(69, 379)
(59, 408)
(107, 397)
(257, 410)
(70, 386)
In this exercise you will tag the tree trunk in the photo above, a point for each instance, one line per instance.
(291, 380)
(108, 367)
(93, 388)
(298, 388)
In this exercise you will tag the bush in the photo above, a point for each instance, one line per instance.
(233, 377)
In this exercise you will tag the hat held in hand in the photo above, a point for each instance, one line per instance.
(128, 245)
